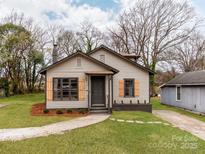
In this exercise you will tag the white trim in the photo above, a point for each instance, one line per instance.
(180, 92)
(66, 104)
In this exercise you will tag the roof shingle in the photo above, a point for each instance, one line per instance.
(189, 78)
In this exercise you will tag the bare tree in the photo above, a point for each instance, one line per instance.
(67, 43)
(152, 27)
(190, 55)
(164, 76)
(89, 37)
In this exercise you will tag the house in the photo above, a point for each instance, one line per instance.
(185, 91)
(97, 81)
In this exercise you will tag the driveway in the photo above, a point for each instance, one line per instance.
(56, 128)
(191, 125)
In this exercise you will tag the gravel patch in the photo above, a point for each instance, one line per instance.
(138, 122)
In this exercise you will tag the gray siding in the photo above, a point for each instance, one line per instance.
(127, 70)
(192, 97)
(69, 69)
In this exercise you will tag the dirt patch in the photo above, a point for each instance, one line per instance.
(39, 110)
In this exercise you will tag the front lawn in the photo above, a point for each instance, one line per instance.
(17, 113)
(157, 106)
(113, 137)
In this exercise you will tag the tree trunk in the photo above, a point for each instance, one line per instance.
(152, 79)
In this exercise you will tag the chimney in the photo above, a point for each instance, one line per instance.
(131, 56)
(55, 53)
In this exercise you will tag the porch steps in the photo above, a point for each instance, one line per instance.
(98, 110)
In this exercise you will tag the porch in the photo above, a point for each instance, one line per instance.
(100, 91)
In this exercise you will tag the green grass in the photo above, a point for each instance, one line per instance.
(105, 137)
(132, 115)
(17, 113)
(113, 137)
(157, 106)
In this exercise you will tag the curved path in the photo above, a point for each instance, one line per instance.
(14, 134)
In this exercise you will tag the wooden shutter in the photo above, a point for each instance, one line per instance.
(136, 88)
(121, 88)
(81, 89)
(49, 89)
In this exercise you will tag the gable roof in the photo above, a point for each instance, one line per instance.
(122, 57)
(43, 71)
(189, 78)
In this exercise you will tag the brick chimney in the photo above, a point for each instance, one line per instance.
(55, 53)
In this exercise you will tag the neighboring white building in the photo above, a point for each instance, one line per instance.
(96, 80)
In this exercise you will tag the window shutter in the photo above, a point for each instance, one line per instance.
(136, 88)
(121, 88)
(81, 89)
(49, 89)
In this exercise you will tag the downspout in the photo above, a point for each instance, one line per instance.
(149, 88)
(88, 93)
(45, 88)
(109, 93)
(112, 92)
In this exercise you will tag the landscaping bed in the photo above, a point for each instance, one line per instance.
(40, 110)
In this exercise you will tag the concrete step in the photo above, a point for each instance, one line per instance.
(98, 108)
(99, 111)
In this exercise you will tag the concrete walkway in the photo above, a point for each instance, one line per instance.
(191, 125)
(56, 128)
(3, 105)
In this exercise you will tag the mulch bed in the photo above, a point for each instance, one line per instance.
(38, 110)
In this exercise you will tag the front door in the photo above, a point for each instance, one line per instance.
(97, 91)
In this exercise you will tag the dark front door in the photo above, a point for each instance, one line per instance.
(98, 91)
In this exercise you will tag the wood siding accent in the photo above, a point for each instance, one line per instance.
(81, 89)
(121, 88)
(136, 88)
(49, 89)
(133, 107)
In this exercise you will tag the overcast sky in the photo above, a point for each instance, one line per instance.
(102, 13)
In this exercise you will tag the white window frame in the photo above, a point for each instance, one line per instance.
(180, 92)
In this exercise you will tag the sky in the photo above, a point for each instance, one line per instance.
(70, 13)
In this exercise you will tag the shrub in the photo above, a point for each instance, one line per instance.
(45, 111)
(69, 110)
(59, 111)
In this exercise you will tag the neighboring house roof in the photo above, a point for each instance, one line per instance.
(122, 57)
(43, 71)
(189, 78)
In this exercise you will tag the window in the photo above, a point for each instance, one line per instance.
(178, 93)
(102, 58)
(129, 87)
(78, 62)
(65, 89)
